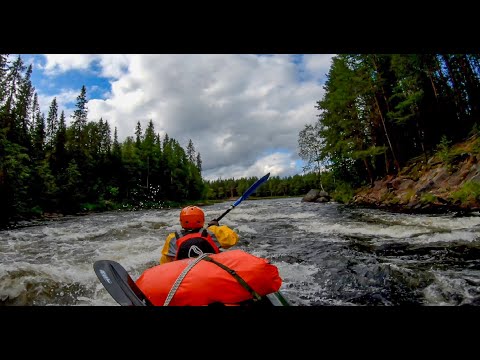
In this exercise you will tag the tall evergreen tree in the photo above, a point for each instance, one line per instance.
(105, 137)
(22, 107)
(199, 162)
(79, 121)
(80, 169)
(13, 81)
(3, 80)
(138, 135)
(148, 149)
(80, 114)
(52, 124)
(60, 157)
(38, 134)
(191, 151)
(149, 138)
(116, 145)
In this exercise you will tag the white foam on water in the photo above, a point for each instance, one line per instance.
(62, 253)
(242, 216)
(299, 275)
(452, 237)
(245, 229)
(448, 283)
(436, 222)
(394, 231)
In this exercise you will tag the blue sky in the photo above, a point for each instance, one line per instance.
(243, 112)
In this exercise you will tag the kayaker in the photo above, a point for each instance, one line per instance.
(192, 239)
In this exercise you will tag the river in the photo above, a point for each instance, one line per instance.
(327, 254)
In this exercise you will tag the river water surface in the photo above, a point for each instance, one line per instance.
(327, 254)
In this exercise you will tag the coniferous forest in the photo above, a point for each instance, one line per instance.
(47, 166)
(378, 113)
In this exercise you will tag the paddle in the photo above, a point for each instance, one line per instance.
(122, 287)
(247, 193)
(119, 284)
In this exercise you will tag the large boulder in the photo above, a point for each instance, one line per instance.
(316, 195)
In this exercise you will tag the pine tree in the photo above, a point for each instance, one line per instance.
(191, 151)
(149, 138)
(22, 109)
(60, 156)
(38, 133)
(116, 151)
(52, 124)
(81, 111)
(3, 80)
(138, 135)
(105, 138)
(199, 162)
(13, 81)
(79, 120)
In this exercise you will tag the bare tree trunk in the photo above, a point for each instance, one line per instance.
(369, 171)
(471, 85)
(320, 176)
(456, 90)
(397, 165)
(433, 85)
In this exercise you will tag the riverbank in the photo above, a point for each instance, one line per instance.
(449, 181)
(39, 219)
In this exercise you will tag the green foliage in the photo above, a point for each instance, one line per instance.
(371, 152)
(102, 205)
(328, 181)
(113, 191)
(428, 198)
(343, 193)
(15, 176)
(443, 150)
(36, 211)
(475, 149)
(408, 195)
(89, 207)
(470, 191)
(388, 197)
(475, 130)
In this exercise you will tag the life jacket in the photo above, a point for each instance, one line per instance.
(229, 277)
(194, 244)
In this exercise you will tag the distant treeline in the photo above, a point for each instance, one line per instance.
(49, 167)
(297, 185)
(381, 111)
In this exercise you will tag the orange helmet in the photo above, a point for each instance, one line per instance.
(192, 217)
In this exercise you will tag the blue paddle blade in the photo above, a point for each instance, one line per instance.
(251, 189)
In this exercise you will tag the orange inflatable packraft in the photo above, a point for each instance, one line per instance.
(207, 283)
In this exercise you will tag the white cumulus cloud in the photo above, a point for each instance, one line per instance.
(243, 112)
